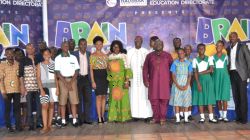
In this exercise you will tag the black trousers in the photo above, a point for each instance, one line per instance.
(84, 91)
(33, 104)
(16, 109)
(239, 89)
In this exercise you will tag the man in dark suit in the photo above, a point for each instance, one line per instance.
(239, 68)
(84, 82)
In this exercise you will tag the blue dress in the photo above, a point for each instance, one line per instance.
(181, 71)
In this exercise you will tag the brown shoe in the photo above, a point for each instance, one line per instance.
(162, 122)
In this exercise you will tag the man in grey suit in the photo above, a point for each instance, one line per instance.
(83, 82)
(239, 68)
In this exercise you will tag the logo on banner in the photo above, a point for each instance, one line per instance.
(111, 3)
(211, 30)
(10, 35)
(133, 2)
(66, 30)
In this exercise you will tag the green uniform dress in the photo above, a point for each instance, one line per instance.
(221, 78)
(119, 106)
(206, 96)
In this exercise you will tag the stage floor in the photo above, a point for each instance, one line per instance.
(140, 131)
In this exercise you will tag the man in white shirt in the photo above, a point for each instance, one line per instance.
(140, 105)
(83, 82)
(67, 69)
(239, 66)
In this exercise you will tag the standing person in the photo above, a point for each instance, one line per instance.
(19, 56)
(177, 44)
(28, 66)
(53, 51)
(203, 88)
(239, 66)
(221, 79)
(118, 76)
(156, 77)
(140, 104)
(41, 46)
(72, 45)
(46, 79)
(56, 115)
(84, 82)
(188, 51)
(11, 85)
(67, 69)
(152, 43)
(181, 94)
(98, 72)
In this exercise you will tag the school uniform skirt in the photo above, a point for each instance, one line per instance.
(207, 95)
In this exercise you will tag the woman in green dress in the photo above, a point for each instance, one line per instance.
(221, 80)
(118, 77)
(203, 88)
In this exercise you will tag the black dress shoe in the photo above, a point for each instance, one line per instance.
(177, 122)
(103, 120)
(64, 125)
(19, 129)
(135, 119)
(75, 124)
(202, 120)
(87, 122)
(190, 118)
(31, 128)
(181, 117)
(11, 130)
(59, 122)
(146, 120)
(243, 122)
(213, 121)
(39, 126)
(71, 120)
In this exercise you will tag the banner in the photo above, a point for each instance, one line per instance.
(20, 22)
(194, 21)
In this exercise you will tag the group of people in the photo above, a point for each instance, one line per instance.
(141, 82)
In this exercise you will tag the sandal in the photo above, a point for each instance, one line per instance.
(153, 121)
(162, 122)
